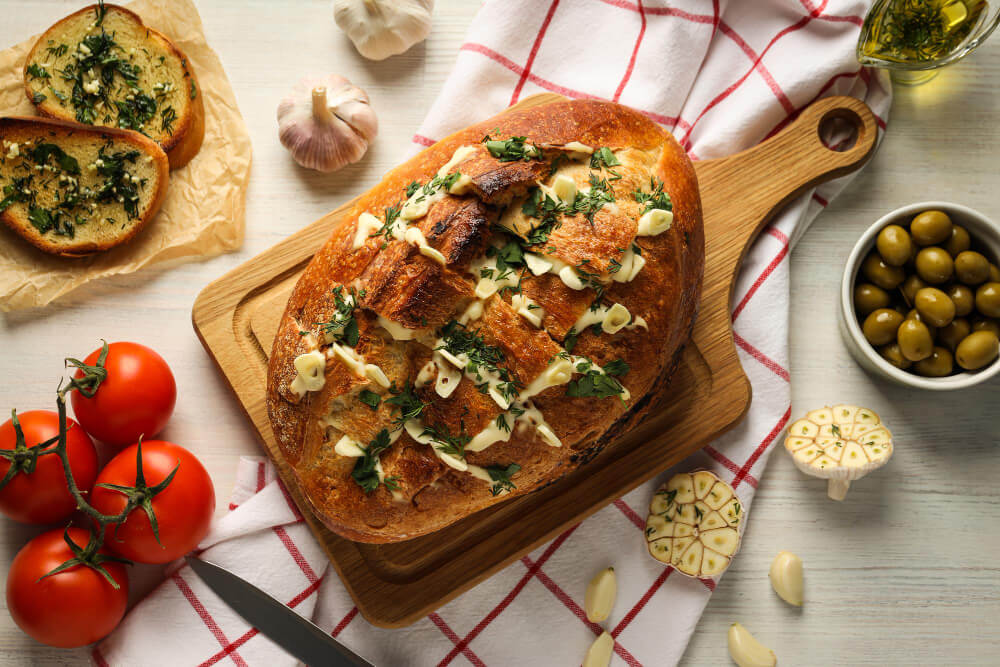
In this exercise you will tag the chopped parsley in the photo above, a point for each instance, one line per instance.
(458, 340)
(604, 158)
(365, 472)
(655, 198)
(406, 402)
(597, 383)
(386, 230)
(593, 200)
(514, 149)
(118, 184)
(446, 443)
(369, 398)
(501, 477)
(547, 210)
(343, 326)
(37, 72)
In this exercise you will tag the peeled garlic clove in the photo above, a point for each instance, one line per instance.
(747, 651)
(599, 653)
(786, 577)
(326, 123)
(600, 597)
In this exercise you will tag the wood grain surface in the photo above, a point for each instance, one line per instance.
(397, 584)
(879, 591)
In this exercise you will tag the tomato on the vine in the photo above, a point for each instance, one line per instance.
(170, 518)
(73, 607)
(36, 491)
(134, 397)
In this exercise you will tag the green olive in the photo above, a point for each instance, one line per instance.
(894, 245)
(939, 364)
(959, 241)
(931, 228)
(880, 273)
(971, 267)
(934, 306)
(915, 340)
(994, 273)
(985, 324)
(963, 298)
(914, 314)
(934, 265)
(880, 326)
(869, 298)
(977, 350)
(988, 299)
(894, 356)
(911, 286)
(951, 335)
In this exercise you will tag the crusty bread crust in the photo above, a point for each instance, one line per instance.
(21, 128)
(665, 293)
(188, 133)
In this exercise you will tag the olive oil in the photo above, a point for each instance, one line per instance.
(917, 31)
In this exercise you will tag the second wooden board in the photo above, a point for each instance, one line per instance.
(396, 584)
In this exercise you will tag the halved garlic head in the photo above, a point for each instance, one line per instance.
(746, 651)
(599, 653)
(841, 444)
(600, 597)
(786, 577)
(694, 524)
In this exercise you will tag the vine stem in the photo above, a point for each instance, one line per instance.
(101, 519)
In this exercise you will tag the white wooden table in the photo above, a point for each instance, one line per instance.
(904, 572)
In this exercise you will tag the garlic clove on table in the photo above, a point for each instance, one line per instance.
(326, 123)
(383, 28)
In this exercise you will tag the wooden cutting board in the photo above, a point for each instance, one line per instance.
(394, 585)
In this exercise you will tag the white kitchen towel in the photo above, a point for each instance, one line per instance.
(722, 76)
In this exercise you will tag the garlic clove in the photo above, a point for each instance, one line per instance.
(786, 577)
(746, 651)
(599, 653)
(326, 123)
(600, 597)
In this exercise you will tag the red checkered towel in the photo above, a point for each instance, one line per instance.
(721, 76)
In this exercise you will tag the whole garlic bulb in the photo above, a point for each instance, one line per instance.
(383, 28)
(326, 123)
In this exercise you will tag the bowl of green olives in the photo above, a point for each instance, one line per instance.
(920, 297)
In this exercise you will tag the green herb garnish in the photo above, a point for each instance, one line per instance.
(501, 477)
(369, 398)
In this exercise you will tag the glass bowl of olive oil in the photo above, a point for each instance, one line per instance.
(914, 38)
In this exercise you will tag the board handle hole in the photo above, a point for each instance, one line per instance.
(840, 129)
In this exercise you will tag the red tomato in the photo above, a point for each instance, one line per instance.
(135, 399)
(75, 607)
(42, 496)
(183, 509)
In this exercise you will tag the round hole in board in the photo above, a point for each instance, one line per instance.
(839, 130)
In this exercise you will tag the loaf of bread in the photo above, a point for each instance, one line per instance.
(72, 190)
(487, 318)
(103, 66)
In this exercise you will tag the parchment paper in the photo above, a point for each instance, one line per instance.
(203, 214)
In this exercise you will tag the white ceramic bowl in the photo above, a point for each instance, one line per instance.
(982, 229)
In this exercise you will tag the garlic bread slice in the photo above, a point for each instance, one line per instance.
(72, 190)
(103, 66)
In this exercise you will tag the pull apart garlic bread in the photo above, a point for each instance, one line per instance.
(103, 66)
(487, 318)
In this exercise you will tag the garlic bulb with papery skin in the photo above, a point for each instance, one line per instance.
(326, 123)
(383, 28)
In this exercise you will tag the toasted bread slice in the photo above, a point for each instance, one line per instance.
(102, 66)
(72, 189)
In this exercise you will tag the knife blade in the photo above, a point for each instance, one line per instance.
(297, 635)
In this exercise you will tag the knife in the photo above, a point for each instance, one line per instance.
(297, 635)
